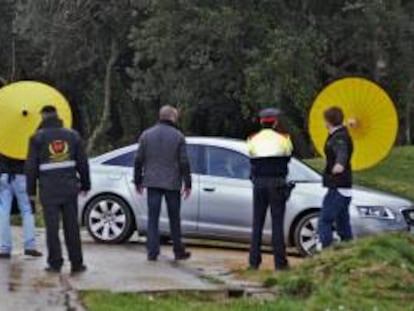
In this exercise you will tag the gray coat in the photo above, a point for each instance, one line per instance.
(162, 160)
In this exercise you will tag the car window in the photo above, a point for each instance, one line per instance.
(193, 152)
(223, 162)
(126, 159)
(299, 171)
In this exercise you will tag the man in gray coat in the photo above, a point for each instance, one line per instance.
(163, 168)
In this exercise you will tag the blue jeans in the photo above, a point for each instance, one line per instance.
(335, 211)
(8, 188)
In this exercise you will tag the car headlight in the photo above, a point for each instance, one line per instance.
(381, 212)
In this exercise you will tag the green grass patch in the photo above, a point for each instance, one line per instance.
(375, 273)
(372, 274)
(395, 174)
(105, 301)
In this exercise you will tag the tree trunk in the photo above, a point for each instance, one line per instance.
(13, 58)
(408, 113)
(105, 118)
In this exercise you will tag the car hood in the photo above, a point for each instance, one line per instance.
(366, 196)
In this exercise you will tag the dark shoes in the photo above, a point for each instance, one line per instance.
(74, 270)
(77, 270)
(52, 270)
(183, 256)
(33, 253)
(5, 255)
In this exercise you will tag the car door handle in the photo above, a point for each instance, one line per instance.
(209, 189)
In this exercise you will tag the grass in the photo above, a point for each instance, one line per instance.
(105, 301)
(372, 274)
(394, 175)
(375, 273)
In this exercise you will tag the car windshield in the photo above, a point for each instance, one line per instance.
(300, 172)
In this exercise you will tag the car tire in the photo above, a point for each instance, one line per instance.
(109, 219)
(305, 235)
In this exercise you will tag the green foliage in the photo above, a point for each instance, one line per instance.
(118, 61)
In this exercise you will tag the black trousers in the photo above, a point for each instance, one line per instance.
(173, 199)
(52, 214)
(265, 195)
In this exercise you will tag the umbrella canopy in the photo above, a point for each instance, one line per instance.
(20, 106)
(370, 115)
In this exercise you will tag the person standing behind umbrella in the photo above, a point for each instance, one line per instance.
(13, 183)
(163, 168)
(337, 177)
(56, 158)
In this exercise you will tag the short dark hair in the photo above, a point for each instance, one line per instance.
(334, 116)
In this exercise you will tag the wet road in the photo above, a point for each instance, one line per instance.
(120, 268)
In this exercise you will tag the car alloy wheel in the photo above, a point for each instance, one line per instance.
(109, 220)
(306, 235)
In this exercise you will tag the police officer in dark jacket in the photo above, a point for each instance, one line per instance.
(337, 178)
(270, 153)
(58, 161)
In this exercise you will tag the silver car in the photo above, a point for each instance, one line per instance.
(220, 207)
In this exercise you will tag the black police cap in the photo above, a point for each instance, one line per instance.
(270, 113)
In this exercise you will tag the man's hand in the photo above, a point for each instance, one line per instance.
(139, 189)
(186, 193)
(338, 169)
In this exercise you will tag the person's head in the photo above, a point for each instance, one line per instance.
(169, 113)
(333, 117)
(48, 112)
(269, 118)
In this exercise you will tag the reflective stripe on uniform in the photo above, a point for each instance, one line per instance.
(57, 165)
(269, 143)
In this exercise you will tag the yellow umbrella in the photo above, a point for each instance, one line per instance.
(20, 106)
(369, 113)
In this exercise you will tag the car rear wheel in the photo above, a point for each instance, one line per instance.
(306, 234)
(109, 219)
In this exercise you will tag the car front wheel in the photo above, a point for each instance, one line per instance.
(306, 234)
(109, 219)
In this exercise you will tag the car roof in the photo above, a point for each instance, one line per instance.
(229, 143)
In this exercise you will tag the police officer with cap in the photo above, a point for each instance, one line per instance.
(58, 160)
(270, 153)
